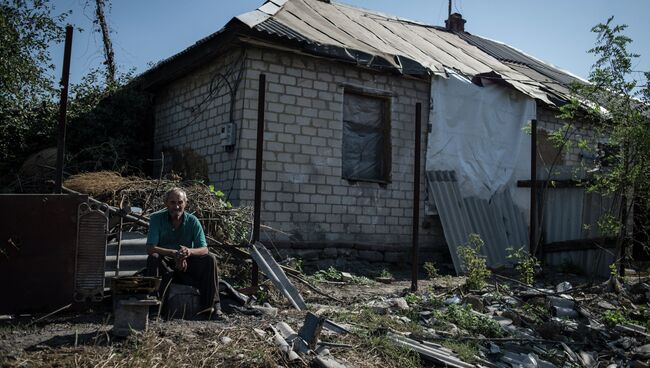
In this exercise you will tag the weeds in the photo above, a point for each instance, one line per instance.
(473, 263)
(536, 312)
(332, 274)
(431, 270)
(412, 298)
(465, 318)
(385, 274)
(525, 264)
(613, 318)
(372, 336)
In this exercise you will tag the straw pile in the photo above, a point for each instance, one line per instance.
(220, 221)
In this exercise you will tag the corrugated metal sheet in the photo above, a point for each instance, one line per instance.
(453, 214)
(490, 228)
(594, 207)
(562, 209)
(272, 27)
(590, 262)
(507, 53)
(513, 219)
(497, 221)
(390, 38)
(409, 46)
(383, 42)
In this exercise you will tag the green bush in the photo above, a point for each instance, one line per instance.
(525, 264)
(474, 264)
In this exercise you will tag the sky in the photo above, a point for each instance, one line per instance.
(144, 32)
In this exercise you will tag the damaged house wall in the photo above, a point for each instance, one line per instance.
(570, 213)
(320, 214)
(319, 143)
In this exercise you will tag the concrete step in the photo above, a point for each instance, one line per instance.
(109, 274)
(127, 258)
(132, 244)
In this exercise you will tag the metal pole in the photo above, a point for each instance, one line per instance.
(416, 198)
(63, 104)
(532, 242)
(258, 171)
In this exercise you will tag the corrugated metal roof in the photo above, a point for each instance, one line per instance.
(410, 47)
(382, 42)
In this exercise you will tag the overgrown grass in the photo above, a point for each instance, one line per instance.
(371, 336)
(467, 351)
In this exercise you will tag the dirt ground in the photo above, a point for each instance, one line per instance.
(84, 339)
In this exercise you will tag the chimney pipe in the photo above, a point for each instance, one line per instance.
(455, 23)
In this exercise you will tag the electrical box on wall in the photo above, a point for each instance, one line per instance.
(228, 136)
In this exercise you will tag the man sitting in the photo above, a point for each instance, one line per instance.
(178, 251)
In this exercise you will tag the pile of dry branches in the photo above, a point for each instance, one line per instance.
(220, 220)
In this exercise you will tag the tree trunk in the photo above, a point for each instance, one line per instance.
(108, 47)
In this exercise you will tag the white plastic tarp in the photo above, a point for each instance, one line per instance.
(478, 132)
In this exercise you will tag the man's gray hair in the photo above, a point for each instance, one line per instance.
(175, 190)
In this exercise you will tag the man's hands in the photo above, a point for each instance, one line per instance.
(181, 258)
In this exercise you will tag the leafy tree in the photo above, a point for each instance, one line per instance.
(27, 27)
(617, 100)
(109, 125)
(108, 122)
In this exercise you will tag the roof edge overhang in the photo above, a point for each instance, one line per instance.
(237, 31)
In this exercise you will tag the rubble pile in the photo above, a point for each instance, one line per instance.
(510, 324)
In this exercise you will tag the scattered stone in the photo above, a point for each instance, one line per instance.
(346, 276)
(563, 286)
(455, 299)
(564, 312)
(475, 302)
(399, 304)
(642, 352)
(226, 340)
(502, 321)
(606, 305)
(555, 301)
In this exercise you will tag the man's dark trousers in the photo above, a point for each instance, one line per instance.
(201, 273)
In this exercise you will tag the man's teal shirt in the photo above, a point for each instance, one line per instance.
(162, 232)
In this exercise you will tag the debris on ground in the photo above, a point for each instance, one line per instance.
(336, 318)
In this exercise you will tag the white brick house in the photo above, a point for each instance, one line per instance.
(328, 198)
